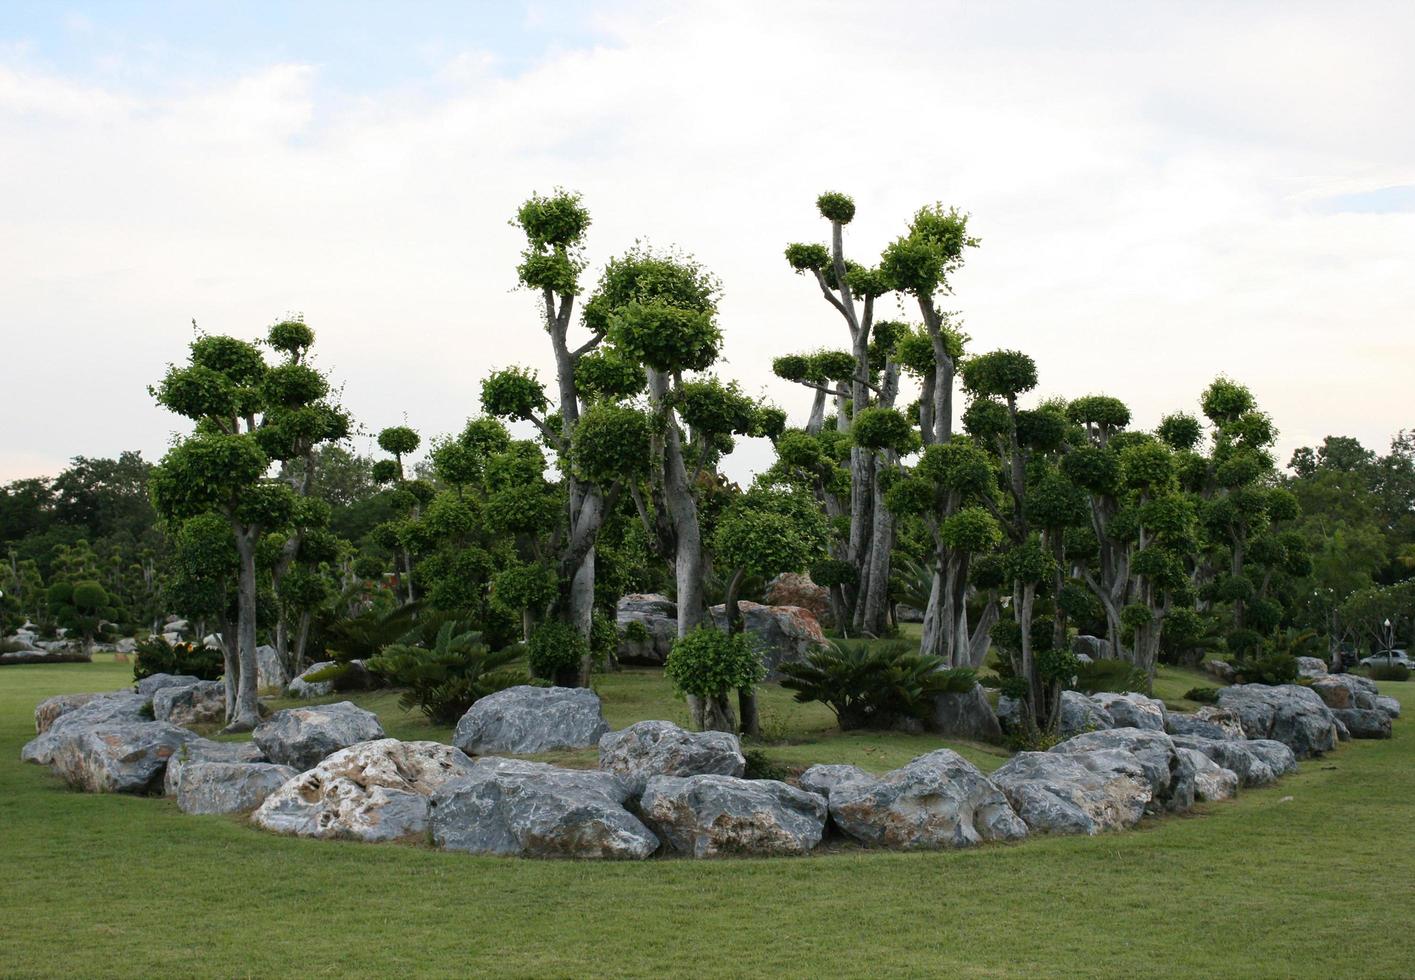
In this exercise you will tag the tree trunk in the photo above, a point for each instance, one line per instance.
(582, 610)
(302, 638)
(683, 508)
(247, 714)
(231, 661)
(746, 696)
(817, 419)
(981, 639)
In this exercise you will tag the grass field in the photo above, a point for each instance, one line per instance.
(1312, 877)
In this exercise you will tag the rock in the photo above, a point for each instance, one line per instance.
(1208, 722)
(525, 720)
(153, 683)
(1170, 776)
(1288, 713)
(1256, 762)
(823, 778)
(1212, 782)
(783, 634)
(126, 645)
(1389, 705)
(1220, 670)
(711, 815)
(116, 757)
(301, 688)
(176, 624)
(794, 589)
(908, 614)
(1311, 667)
(658, 617)
(1345, 691)
(661, 748)
(937, 800)
(112, 708)
(270, 671)
(301, 737)
(1132, 710)
(1364, 722)
(1078, 714)
(965, 716)
(202, 703)
(1091, 647)
(229, 787)
(50, 710)
(530, 809)
(372, 791)
(206, 750)
(1056, 794)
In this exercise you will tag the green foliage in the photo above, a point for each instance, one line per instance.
(999, 374)
(611, 443)
(1146, 466)
(156, 656)
(524, 585)
(874, 685)
(920, 261)
(804, 257)
(1225, 400)
(555, 221)
(398, 440)
(762, 766)
(1203, 695)
(1259, 667)
(884, 428)
(206, 473)
(290, 337)
(835, 206)
(770, 529)
(448, 677)
(708, 663)
(1104, 674)
(664, 337)
(1102, 411)
(513, 393)
(607, 373)
(972, 530)
(556, 649)
(1179, 430)
(1388, 672)
(832, 572)
(1029, 562)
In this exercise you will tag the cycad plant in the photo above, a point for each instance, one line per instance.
(446, 678)
(880, 685)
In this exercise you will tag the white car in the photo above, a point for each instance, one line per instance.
(1386, 657)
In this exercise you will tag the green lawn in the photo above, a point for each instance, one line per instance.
(1312, 877)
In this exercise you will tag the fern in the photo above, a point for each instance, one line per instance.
(874, 685)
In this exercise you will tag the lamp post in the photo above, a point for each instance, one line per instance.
(1389, 638)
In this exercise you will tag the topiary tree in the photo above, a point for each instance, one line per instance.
(706, 666)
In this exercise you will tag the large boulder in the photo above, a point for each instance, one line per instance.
(1056, 794)
(302, 737)
(1219, 670)
(206, 750)
(822, 778)
(1212, 782)
(270, 669)
(648, 625)
(1257, 762)
(1208, 722)
(661, 748)
(1132, 710)
(153, 683)
(1311, 667)
(372, 791)
(119, 757)
(936, 800)
(61, 722)
(1079, 713)
(524, 720)
(783, 634)
(795, 589)
(229, 787)
(1364, 722)
(1345, 691)
(1389, 705)
(1287, 713)
(48, 711)
(530, 809)
(1170, 775)
(711, 815)
(202, 703)
(302, 688)
(1092, 648)
(965, 716)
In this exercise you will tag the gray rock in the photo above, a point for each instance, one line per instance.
(150, 685)
(936, 800)
(658, 616)
(1212, 782)
(1364, 722)
(908, 614)
(1091, 647)
(1220, 670)
(114, 708)
(1389, 705)
(301, 688)
(529, 809)
(1256, 762)
(229, 787)
(1170, 776)
(823, 778)
(1311, 667)
(202, 703)
(301, 737)
(1078, 714)
(50, 710)
(661, 748)
(966, 716)
(1208, 722)
(372, 791)
(525, 720)
(270, 670)
(118, 757)
(206, 750)
(1132, 710)
(1345, 691)
(1056, 794)
(1288, 713)
(782, 634)
(125, 645)
(708, 816)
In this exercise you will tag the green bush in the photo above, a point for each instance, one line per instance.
(874, 685)
(447, 678)
(1110, 675)
(556, 650)
(1388, 672)
(1203, 695)
(762, 766)
(1264, 668)
(156, 656)
(636, 632)
(708, 663)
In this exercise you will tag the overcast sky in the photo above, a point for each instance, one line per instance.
(1164, 192)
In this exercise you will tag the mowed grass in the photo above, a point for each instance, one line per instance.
(1312, 877)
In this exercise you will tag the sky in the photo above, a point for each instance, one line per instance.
(1164, 192)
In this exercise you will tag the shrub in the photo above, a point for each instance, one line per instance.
(762, 766)
(156, 656)
(1389, 672)
(636, 632)
(1264, 668)
(556, 650)
(604, 637)
(1110, 675)
(1203, 695)
(446, 679)
(874, 685)
(708, 663)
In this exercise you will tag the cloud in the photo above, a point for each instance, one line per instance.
(1149, 183)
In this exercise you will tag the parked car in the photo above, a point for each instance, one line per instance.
(1388, 657)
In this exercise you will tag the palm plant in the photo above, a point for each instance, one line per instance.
(447, 677)
(878, 685)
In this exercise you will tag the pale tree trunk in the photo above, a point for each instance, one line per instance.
(817, 419)
(302, 636)
(231, 661)
(247, 714)
(876, 599)
(981, 639)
